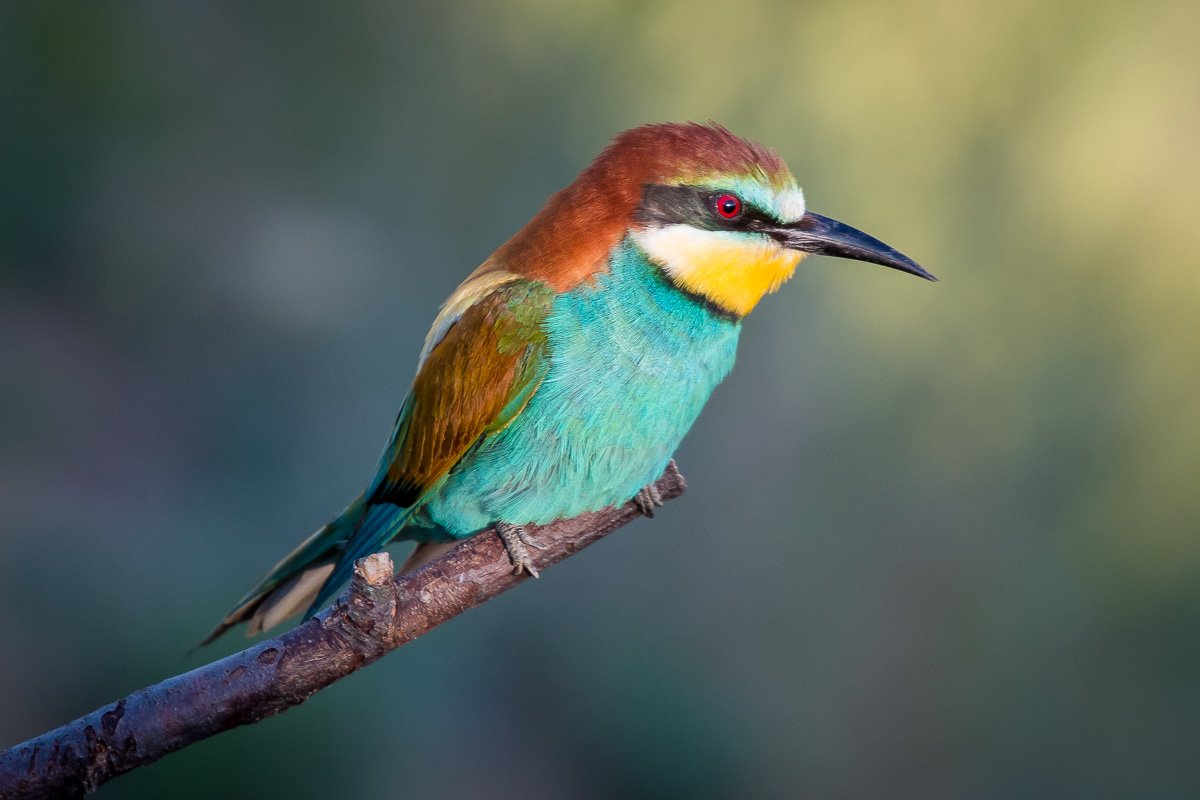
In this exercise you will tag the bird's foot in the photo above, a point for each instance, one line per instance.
(647, 499)
(517, 541)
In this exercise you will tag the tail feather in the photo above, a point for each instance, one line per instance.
(278, 589)
(289, 599)
(378, 526)
(302, 589)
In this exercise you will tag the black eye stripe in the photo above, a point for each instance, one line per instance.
(696, 206)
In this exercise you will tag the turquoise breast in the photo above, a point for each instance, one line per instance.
(632, 362)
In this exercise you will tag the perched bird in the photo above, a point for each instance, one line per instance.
(562, 373)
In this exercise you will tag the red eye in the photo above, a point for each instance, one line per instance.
(728, 206)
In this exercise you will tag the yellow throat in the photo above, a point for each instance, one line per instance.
(732, 271)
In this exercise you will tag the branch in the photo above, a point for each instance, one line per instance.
(376, 614)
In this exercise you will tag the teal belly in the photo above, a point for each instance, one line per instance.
(632, 362)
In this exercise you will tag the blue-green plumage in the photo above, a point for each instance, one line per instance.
(632, 360)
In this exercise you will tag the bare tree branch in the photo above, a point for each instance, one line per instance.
(376, 614)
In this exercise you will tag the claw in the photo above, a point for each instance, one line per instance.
(647, 499)
(516, 541)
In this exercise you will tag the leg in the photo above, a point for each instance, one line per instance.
(648, 499)
(516, 540)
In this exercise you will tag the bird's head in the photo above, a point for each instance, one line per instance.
(729, 223)
(720, 215)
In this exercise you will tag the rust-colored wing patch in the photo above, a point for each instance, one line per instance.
(473, 382)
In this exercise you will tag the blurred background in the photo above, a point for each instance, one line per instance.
(940, 540)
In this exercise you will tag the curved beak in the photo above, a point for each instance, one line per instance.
(814, 233)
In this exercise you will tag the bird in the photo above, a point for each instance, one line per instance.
(561, 375)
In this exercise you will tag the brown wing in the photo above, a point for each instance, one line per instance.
(473, 382)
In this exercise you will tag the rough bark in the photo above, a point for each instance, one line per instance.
(376, 614)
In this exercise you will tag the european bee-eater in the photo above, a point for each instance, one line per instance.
(562, 373)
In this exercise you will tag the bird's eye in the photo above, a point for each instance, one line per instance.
(728, 206)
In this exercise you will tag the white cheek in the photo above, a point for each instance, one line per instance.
(677, 247)
(790, 205)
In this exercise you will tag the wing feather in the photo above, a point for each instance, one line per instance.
(473, 381)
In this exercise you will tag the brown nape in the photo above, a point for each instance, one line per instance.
(570, 239)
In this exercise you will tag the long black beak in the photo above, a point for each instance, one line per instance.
(814, 233)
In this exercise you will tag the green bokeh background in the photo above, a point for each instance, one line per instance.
(941, 540)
